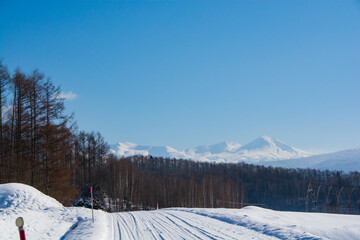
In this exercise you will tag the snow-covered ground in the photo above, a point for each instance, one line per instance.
(45, 218)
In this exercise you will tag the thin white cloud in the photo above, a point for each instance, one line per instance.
(67, 96)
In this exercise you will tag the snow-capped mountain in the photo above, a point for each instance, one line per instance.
(267, 149)
(260, 150)
(346, 160)
(264, 150)
(127, 149)
(222, 147)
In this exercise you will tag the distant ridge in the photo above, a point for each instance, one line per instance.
(262, 149)
(346, 160)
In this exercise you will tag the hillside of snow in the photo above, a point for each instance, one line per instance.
(346, 160)
(260, 150)
(45, 218)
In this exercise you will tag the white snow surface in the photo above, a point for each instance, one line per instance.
(45, 218)
(263, 149)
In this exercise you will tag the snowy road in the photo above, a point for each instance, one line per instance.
(177, 224)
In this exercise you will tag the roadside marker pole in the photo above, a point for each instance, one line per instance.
(92, 205)
(20, 223)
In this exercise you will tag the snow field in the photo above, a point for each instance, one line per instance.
(45, 218)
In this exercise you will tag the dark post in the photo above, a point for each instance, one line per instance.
(92, 205)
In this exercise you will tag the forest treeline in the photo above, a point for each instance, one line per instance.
(41, 146)
(147, 181)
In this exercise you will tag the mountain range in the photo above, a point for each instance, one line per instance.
(264, 151)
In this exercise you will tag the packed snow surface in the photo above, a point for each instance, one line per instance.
(45, 218)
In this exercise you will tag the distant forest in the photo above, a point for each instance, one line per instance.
(41, 146)
(148, 181)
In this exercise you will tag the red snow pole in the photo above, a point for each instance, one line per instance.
(20, 223)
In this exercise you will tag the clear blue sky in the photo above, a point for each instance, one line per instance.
(186, 73)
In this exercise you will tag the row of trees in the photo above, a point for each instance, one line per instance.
(90, 152)
(144, 182)
(39, 144)
(36, 135)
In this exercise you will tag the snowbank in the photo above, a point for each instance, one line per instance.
(44, 217)
(19, 197)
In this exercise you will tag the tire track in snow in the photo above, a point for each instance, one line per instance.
(215, 229)
(193, 225)
(165, 228)
(176, 229)
(122, 226)
(170, 224)
(155, 231)
(115, 234)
